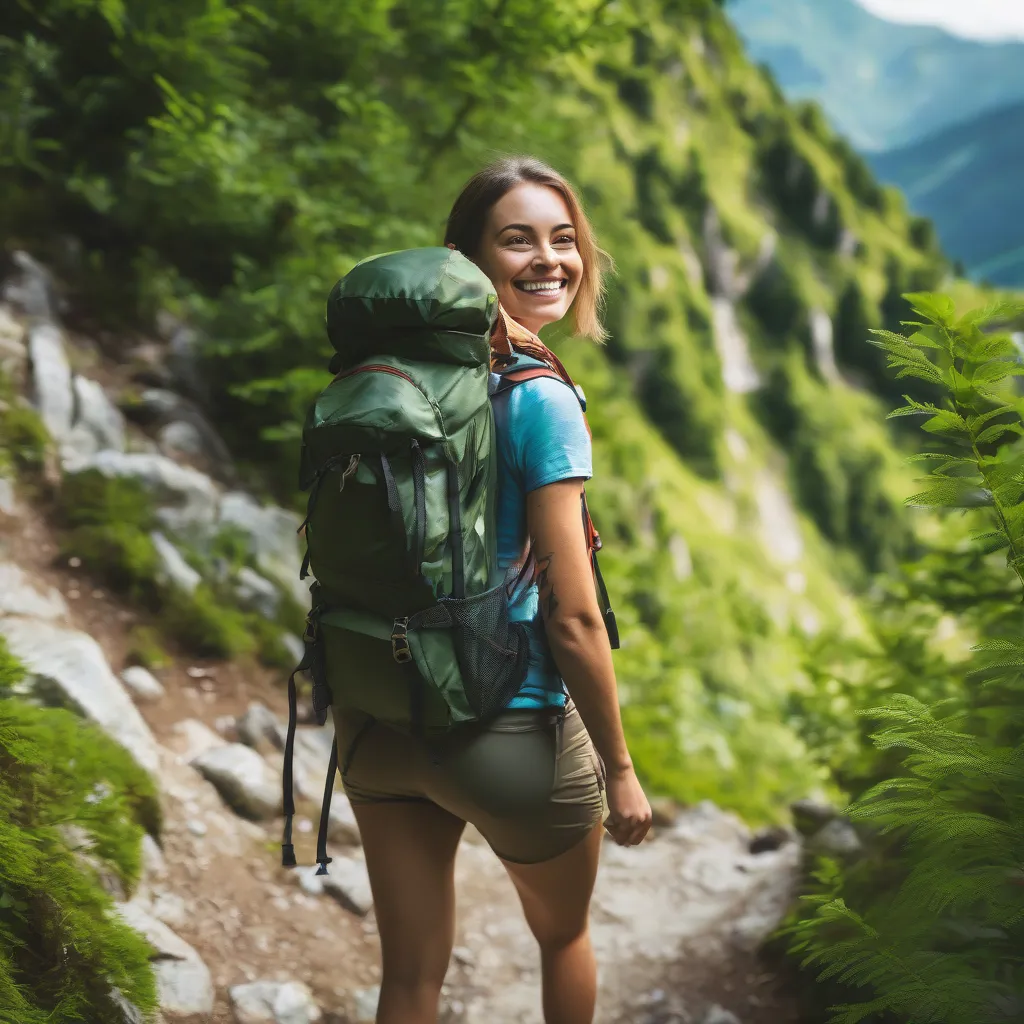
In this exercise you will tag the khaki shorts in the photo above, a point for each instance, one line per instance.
(532, 785)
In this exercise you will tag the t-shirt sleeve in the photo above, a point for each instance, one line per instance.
(548, 433)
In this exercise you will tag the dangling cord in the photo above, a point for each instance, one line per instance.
(287, 849)
(325, 812)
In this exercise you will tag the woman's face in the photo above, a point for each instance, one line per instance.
(529, 253)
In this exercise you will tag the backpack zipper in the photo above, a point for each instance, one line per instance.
(378, 368)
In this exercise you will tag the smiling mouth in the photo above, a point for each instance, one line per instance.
(541, 287)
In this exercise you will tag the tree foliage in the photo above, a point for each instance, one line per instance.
(931, 928)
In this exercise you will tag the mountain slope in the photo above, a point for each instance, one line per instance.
(746, 483)
(884, 85)
(969, 180)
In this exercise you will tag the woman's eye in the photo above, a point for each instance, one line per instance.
(518, 240)
(565, 240)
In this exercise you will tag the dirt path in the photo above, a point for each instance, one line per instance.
(675, 921)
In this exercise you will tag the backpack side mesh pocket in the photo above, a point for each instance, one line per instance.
(493, 652)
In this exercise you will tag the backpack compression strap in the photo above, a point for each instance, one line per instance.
(509, 379)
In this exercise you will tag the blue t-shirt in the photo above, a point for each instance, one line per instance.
(541, 438)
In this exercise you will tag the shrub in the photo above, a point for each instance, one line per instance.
(928, 927)
(62, 950)
(205, 624)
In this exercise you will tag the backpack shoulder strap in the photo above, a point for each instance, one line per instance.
(517, 369)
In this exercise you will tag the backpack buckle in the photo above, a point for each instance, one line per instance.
(309, 633)
(400, 649)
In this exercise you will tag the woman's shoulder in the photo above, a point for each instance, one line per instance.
(545, 394)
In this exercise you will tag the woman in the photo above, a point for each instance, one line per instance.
(531, 784)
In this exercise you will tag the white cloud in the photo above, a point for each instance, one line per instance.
(978, 19)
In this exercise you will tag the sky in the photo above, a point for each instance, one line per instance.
(975, 19)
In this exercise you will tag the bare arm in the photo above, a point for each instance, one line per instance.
(579, 644)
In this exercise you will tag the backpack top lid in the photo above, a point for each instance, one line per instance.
(431, 304)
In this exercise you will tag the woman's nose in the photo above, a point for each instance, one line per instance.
(545, 257)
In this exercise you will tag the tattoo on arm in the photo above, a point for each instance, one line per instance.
(547, 589)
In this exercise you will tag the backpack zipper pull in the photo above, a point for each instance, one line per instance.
(353, 464)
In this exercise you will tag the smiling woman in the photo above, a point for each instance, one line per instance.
(523, 223)
(538, 778)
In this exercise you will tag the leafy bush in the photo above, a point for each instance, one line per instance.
(62, 950)
(206, 625)
(932, 929)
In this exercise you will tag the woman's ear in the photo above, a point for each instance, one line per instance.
(451, 245)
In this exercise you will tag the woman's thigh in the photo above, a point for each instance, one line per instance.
(410, 856)
(556, 893)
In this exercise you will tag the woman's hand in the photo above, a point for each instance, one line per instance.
(629, 817)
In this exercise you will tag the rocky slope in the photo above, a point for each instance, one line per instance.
(235, 937)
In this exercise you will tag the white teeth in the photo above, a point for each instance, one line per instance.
(541, 286)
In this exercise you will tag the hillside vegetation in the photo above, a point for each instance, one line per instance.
(227, 164)
(219, 166)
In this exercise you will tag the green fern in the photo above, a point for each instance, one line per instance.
(929, 927)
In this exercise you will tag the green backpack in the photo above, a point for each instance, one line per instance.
(409, 621)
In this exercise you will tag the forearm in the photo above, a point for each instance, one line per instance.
(579, 645)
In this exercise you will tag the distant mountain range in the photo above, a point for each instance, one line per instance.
(970, 180)
(939, 116)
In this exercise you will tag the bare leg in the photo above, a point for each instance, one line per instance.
(410, 855)
(556, 900)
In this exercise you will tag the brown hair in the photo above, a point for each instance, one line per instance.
(469, 212)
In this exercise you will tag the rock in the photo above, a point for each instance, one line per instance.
(770, 838)
(181, 438)
(243, 779)
(260, 725)
(739, 374)
(192, 738)
(186, 499)
(69, 668)
(341, 827)
(153, 863)
(51, 380)
(463, 956)
(183, 427)
(142, 683)
(184, 362)
(13, 350)
(8, 502)
(810, 815)
(11, 330)
(821, 344)
(679, 553)
(257, 593)
(272, 538)
(665, 811)
(719, 1015)
(348, 882)
(171, 909)
(98, 423)
(31, 290)
(286, 1002)
(19, 597)
(173, 567)
(183, 981)
(780, 528)
(364, 1004)
(838, 838)
(128, 1012)
(294, 645)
